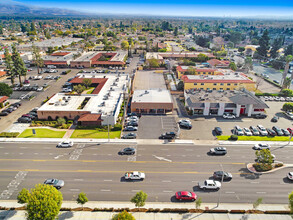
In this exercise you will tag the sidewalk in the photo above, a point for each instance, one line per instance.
(15, 215)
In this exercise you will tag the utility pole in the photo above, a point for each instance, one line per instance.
(108, 128)
(218, 203)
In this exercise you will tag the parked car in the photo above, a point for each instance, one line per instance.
(229, 115)
(185, 125)
(168, 135)
(4, 113)
(221, 174)
(289, 115)
(261, 146)
(66, 90)
(133, 123)
(127, 151)
(260, 115)
(186, 196)
(247, 132)
(271, 132)
(58, 184)
(262, 130)
(290, 175)
(32, 117)
(278, 131)
(218, 131)
(254, 131)
(209, 184)
(24, 120)
(290, 130)
(218, 151)
(275, 119)
(238, 131)
(65, 144)
(184, 121)
(285, 132)
(130, 128)
(129, 136)
(132, 114)
(40, 89)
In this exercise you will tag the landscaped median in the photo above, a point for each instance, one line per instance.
(42, 133)
(254, 138)
(94, 133)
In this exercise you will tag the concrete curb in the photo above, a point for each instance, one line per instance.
(250, 168)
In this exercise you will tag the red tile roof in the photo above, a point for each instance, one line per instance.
(3, 98)
(216, 62)
(179, 68)
(100, 81)
(187, 80)
(2, 73)
(90, 117)
(60, 54)
(50, 62)
(184, 55)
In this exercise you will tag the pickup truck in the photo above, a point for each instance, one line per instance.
(209, 184)
(135, 175)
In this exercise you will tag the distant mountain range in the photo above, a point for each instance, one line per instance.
(20, 9)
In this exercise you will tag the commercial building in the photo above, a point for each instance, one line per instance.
(154, 101)
(194, 70)
(99, 108)
(105, 59)
(215, 63)
(60, 58)
(216, 103)
(229, 80)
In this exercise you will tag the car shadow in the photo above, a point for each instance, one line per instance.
(247, 175)
(197, 189)
(286, 180)
(122, 179)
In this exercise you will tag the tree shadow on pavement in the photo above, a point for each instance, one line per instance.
(65, 215)
(7, 214)
(247, 175)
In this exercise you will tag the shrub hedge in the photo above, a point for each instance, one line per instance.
(261, 167)
(233, 137)
(9, 134)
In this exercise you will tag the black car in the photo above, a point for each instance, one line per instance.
(218, 131)
(132, 123)
(168, 135)
(9, 110)
(275, 119)
(127, 151)
(185, 125)
(220, 174)
(24, 120)
(259, 116)
(129, 136)
(34, 113)
(133, 114)
(4, 113)
(278, 131)
(271, 132)
(17, 104)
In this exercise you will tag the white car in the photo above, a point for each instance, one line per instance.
(229, 116)
(135, 175)
(66, 90)
(289, 115)
(247, 132)
(261, 146)
(184, 121)
(238, 131)
(262, 130)
(209, 184)
(290, 175)
(40, 89)
(65, 144)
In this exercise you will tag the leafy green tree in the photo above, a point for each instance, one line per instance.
(286, 92)
(288, 107)
(44, 203)
(264, 44)
(277, 44)
(153, 63)
(23, 196)
(286, 83)
(61, 121)
(291, 201)
(235, 37)
(202, 41)
(264, 156)
(257, 203)
(289, 50)
(202, 57)
(37, 58)
(288, 58)
(19, 68)
(1, 30)
(123, 216)
(124, 45)
(248, 64)
(82, 199)
(9, 65)
(176, 31)
(233, 66)
(78, 89)
(139, 199)
(87, 82)
(5, 90)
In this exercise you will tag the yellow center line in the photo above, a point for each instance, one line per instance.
(122, 161)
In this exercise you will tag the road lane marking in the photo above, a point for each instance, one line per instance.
(12, 186)
(78, 179)
(230, 192)
(254, 182)
(261, 192)
(135, 190)
(123, 161)
(166, 191)
(166, 181)
(162, 158)
(23, 147)
(6, 153)
(75, 190)
(105, 190)
(108, 180)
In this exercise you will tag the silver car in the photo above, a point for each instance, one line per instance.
(58, 184)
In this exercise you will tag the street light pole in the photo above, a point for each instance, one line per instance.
(218, 203)
(108, 128)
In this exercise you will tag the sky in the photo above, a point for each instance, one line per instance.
(227, 8)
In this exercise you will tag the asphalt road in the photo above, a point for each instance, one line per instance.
(97, 170)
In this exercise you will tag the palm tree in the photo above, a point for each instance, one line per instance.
(289, 58)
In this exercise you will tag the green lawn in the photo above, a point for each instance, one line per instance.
(255, 138)
(92, 133)
(42, 133)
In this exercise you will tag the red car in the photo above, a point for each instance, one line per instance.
(185, 195)
(290, 130)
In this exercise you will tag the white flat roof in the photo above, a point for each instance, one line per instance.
(152, 96)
